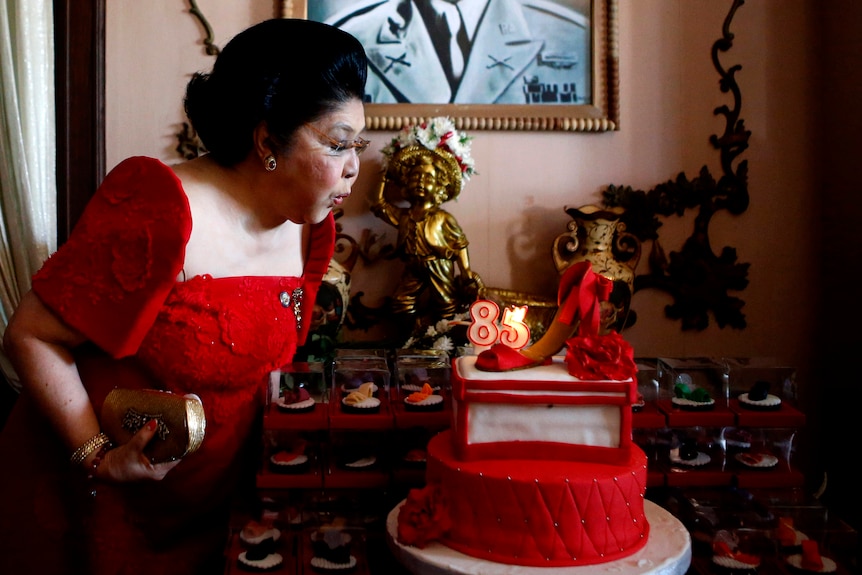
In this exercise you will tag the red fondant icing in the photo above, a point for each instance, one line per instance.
(811, 558)
(579, 296)
(461, 385)
(541, 513)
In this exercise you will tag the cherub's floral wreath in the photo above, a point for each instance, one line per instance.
(435, 133)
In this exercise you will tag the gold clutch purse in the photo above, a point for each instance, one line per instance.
(181, 421)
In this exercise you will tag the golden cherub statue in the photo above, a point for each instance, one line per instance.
(419, 178)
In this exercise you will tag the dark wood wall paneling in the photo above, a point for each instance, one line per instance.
(79, 51)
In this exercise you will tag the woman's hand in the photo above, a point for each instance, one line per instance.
(128, 462)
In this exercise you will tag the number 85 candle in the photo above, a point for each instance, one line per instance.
(484, 331)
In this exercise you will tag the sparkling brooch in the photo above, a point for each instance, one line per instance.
(296, 298)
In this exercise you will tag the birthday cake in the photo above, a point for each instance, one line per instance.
(538, 468)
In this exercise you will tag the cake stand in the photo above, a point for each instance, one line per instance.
(667, 552)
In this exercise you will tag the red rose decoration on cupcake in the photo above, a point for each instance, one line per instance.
(423, 518)
(606, 356)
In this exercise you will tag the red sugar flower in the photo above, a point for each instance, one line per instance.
(423, 518)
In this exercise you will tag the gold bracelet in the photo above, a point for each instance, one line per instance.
(89, 447)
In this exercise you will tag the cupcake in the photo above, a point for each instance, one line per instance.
(362, 400)
(688, 455)
(759, 398)
(254, 533)
(296, 401)
(287, 462)
(359, 463)
(728, 559)
(424, 400)
(696, 399)
(789, 538)
(736, 563)
(293, 460)
(260, 558)
(757, 460)
(331, 550)
(416, 381)
(810, 560)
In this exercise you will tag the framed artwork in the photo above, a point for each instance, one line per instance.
(542, 65)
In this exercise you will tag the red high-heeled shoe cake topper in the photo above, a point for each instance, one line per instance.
(579, 297)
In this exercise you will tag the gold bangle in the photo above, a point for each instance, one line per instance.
(89, 447)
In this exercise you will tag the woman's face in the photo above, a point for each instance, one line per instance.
(318, 172)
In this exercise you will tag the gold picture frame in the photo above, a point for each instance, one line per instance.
(600, 114)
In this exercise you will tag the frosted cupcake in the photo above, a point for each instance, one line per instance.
(292, 460)
(358, 463)
(254, 533)
(296, 401)
(736, 564)
(362, 400)
(287, 462)
(789, 538)
(696, 399)
(331, 550)
(416, 381)
(424, 400)
(757, 460)
(759, 398)
(260, 558)
(727, 558)
(688, 455)
(810, 560)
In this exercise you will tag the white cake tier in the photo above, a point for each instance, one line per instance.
(539, 413)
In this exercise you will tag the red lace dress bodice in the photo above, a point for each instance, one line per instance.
(115, 282)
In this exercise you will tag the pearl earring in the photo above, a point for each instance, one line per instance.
(269, 163)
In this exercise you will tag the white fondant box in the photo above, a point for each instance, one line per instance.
(539, 413)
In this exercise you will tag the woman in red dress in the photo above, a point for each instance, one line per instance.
(198, 279)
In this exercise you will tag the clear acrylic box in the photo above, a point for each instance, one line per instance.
(348, 374)
(360, 388)
(292, 452)
(694, 392)
(744, 372)
(360, 353)
(414, 368)
(696, 456)
(696, 373)
(310, 376)
(647, 378)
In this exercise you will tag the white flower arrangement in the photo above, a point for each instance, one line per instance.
(440, 336)
(436, 133)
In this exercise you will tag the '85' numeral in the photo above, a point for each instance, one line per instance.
(484, 331)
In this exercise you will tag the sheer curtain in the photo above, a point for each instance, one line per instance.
(28, 191)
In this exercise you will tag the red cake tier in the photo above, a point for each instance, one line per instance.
(541, 513)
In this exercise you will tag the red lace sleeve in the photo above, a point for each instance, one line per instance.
(109, 280)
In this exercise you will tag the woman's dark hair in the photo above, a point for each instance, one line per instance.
(284, 72)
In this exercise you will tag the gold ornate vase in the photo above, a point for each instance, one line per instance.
(333, 297)
(597, 235)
